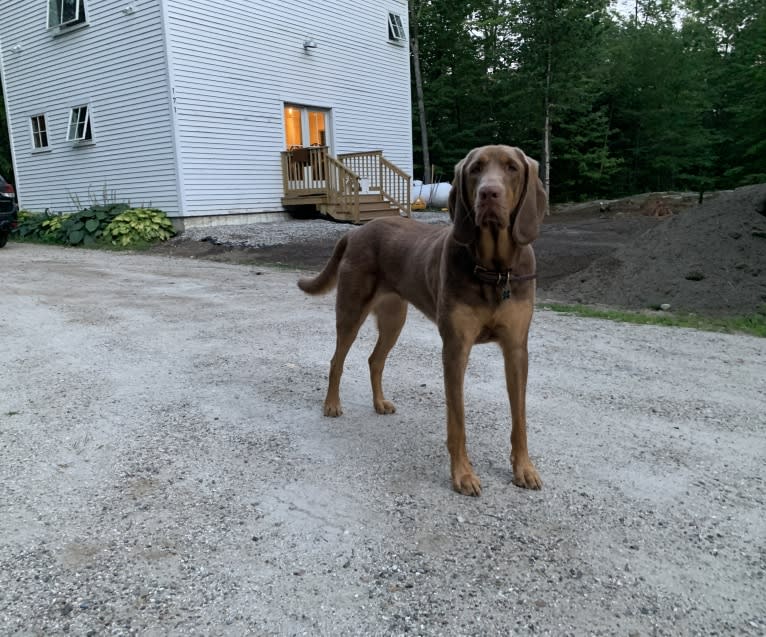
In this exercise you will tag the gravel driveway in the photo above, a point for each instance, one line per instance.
(165, 468)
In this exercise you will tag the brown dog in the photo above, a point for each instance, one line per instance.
(474, 279)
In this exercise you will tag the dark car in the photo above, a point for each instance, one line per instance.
(9, 210)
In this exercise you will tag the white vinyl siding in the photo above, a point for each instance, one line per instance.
(116, 66)
(233, 75)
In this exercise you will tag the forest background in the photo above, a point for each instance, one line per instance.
(613, 99)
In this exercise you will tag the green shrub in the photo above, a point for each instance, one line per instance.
(139, 225)
(116, 224)
(87, 226)
(28, 225)
(51, 228)
(40, 227)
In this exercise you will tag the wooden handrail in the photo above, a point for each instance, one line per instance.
(365, 164)
(343, 188)
(383, 176)
(304, 170)
(395, 185)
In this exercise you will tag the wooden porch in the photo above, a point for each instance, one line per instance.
(352, 187)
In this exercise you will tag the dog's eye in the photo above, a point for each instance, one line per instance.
(477, 167)
(511, 167)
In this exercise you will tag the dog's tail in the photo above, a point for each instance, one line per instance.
(326, 279)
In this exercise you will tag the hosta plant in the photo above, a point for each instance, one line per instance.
(87, 226)
(40, 227)
(137, 226)
(50, 227)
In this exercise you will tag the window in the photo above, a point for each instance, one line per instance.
(293, 127)
(395, 28)
(79, 125)
(39, 132)
(305, 126)
(65, 13)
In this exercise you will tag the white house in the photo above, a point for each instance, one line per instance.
(190, 105)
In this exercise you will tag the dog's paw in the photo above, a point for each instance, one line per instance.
(333, 410)
(525, 475)
(385, 407)
(467, 483)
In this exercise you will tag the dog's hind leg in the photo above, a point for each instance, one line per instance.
(352, 306)
(391, 312)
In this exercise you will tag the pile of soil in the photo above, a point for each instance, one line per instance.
(710, 258)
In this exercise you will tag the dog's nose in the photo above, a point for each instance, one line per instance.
(489, 191)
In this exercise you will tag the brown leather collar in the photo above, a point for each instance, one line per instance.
(500, 278)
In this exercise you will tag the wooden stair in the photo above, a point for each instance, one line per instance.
(371, 206)
(312, 178)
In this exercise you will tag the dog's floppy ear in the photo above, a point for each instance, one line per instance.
(460, 208)
(533, 205)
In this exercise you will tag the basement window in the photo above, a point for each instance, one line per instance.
(65, 13)
(39, 132)
(79, 125)
(395, 28)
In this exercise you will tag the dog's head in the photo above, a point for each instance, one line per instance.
(497, 186)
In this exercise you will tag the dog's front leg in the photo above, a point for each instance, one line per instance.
(456, 348)
(513, 341)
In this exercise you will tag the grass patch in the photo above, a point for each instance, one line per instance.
(753, 324)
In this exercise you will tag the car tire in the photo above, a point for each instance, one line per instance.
(4, 237)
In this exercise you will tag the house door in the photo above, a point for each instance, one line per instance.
(306, 126)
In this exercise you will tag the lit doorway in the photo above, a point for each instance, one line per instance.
(306, 126)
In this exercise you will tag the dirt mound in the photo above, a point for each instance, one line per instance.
(709, 258)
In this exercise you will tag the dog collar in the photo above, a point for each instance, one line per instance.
(500, 278)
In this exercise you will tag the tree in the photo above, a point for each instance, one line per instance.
(611, 104)
(735, 34)
(509, 72)
(452, 82)
(659, 98)
(415, 9)
(561, 59)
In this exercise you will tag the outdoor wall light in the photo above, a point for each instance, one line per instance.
(310, 43)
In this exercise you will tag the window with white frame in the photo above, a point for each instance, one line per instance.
(79, 125)
(395, 28)
(39, 132)
(65, 13)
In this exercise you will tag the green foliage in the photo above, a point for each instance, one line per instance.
(87, 226)
(137, 226)
(662, 107)
(114, 224)
(50, 228)
(45, 228)
(736, 36)
(667, 97)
